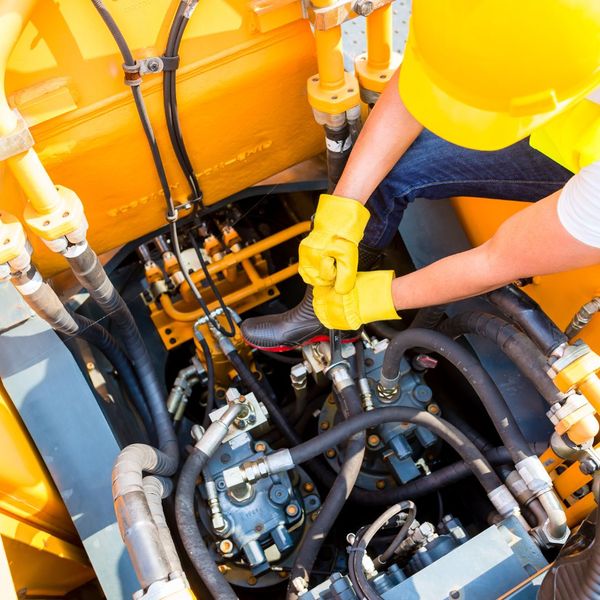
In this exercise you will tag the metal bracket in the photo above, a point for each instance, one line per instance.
(18, 141)
(150, 65)
(339, 12)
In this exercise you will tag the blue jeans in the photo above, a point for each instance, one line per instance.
(433, 168)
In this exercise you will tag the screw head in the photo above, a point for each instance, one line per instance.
(291, 510)
(308, 487)
(331, 453)
(380, 484)
(252, 580)
(260, 447)
(373, 440)
(225, 546)
(324, 425)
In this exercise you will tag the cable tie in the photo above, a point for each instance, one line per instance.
(172, 216)
(351, 549)
(170, 63)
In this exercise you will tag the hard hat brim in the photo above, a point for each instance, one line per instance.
(458, 122)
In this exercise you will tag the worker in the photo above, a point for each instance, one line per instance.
(497, 99)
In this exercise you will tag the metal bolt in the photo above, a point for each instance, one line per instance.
(331, 453)
(66, 214)
(291, 510)
(225, 546)
(363, 8)
(373, 440)
(258, 528)
(252, 580)
(380, 484)
(587, 466)
(260, 447)
(283, 574)
(324, 425)
(45, 223)
(90, 366)
(314, 515)
(454, 594)
(308, 487)
(433, 409)
(223, 569)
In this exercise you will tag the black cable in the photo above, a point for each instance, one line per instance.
(158, 162)
(180, 21)
(210, 373)
(231, 331)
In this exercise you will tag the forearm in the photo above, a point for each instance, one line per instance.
(532, 242)
(387, 134)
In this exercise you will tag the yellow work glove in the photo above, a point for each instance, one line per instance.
(328, 256)
(369, 300)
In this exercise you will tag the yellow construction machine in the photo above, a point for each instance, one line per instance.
(160, 161)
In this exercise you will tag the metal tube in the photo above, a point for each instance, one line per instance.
(379, 37)
(330, 58)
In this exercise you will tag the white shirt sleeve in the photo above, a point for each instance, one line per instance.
(579, 205)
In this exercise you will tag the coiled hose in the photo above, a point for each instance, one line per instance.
(470, 369)
(350, 405)
(514, 343)
(90, 273)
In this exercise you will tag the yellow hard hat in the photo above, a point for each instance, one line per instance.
(484, 74)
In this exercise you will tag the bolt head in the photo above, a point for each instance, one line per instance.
(380, 484)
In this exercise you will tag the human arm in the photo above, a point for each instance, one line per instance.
(531, 242)
(388, 132)
(329, 255)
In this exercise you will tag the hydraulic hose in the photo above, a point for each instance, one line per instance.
(42, 299)
(514, 343)
(428, 317)
(157, 488)
(350, 405)
(187, 525)
(98, 336)
(342, 431)
(90, 273)
(210, 373)
(528, 315)
(134, 516)
(389, 552)
(359, 548)
(470, 369)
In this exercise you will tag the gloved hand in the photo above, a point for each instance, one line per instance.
(369, 300)
(328, 256)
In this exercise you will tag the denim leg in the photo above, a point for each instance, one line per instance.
(433, 168)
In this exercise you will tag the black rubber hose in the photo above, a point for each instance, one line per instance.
(92, 276)
(514, 343)
(428, 317)
(98, 336)
(355, 568)
(338, 157)
(528, 315)
(470, 368)
(254, 386)
(447, 432)
(210, 375)
(196, 549)
(176, 32)
(385, 556)
(350, 405)
(381, 329)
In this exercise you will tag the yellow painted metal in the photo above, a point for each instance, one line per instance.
(332, 90)
(241, 96)
(560, 295)
(242, 288)
(38, 534)
(378, 64)
(12, 238)
(41, 563)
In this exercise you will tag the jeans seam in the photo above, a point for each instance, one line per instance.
(386, 215)
(460, 181)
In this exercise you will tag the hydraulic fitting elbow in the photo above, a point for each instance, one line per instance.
(252, 471)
